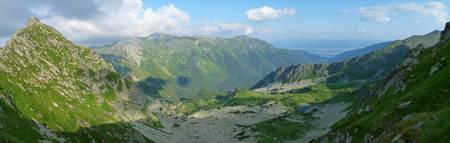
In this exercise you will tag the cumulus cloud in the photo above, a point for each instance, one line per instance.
(82, 20)
(268, 13)
(435, 10)
(100, 21)
(120, 18)
(377, 14)
(230, 29)
(226, 29)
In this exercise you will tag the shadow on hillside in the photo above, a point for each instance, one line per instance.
(115, 61)
(17, 128)
(152, 86)
(183, 81)
(106, 133)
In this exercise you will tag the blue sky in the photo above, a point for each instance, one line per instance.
(101, 21)
(332, 19)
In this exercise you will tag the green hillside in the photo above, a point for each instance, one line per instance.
(364, 69)
(428, 40)
(410, 105)
(54, 90)
(183, 66)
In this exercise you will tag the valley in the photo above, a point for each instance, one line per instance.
(163, 88)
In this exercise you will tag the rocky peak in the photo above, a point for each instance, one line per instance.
(36, 30)
(33, 21)
(445, 34)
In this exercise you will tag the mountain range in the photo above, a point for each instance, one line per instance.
(164, 88)
(428, 40)
(363, 69)
(177, 67)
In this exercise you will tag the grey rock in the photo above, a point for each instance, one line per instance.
(445, 34)
(435, 68)
(419, 125)
(408, 117)
(397, 139)
(404, 105)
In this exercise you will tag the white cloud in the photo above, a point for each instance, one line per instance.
(266, 30)
(226, 29)
(121, 18)
(268, 13)
(377, 14)
(361, 31)
(435, 10)
(231, 29)
(102, 21)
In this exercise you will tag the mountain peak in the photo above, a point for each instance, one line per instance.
(242, 37)
(158, 36)
(33, 20)
(434, 32)
(38, 31)
(445, 34)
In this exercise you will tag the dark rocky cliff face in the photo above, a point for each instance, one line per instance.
(445, 34)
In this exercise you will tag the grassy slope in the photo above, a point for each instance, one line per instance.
(215, 64)
(281, 129)
(310, 95)
(379, 62)
(425, 120)
(13, 125)
(41, 97)
(51, 80)
(366, 69)
(428, 40)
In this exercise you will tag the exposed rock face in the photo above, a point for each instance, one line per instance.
(445, 34)
(292, 77)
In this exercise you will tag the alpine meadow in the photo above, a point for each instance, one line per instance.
(225, 71)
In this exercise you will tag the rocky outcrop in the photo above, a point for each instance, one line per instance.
(408, 104)
(445, 34)
(292, 77)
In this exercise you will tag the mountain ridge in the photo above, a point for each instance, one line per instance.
(361, 69)
(217, 64)
(409, 105)
(359, 52)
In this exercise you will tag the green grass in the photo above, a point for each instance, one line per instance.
(279, 130)
(430, 108)
(53, 86)
(316, 94)
(15, 128)
(210, 63)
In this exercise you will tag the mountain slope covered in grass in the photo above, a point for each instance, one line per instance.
(183, 66)
(409, 105)
(364, 69)
(428, 40)
(53, 90)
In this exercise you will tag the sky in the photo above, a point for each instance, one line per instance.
(93, 22)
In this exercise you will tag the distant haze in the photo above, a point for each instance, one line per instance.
(324, 47)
